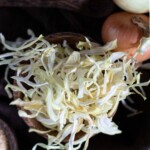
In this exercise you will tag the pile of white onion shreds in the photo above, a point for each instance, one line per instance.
(70, 91)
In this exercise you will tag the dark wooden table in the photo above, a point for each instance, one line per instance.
(94, 8)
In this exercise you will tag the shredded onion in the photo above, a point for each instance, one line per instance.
(70, 91)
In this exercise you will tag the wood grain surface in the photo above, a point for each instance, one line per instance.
(95, 8)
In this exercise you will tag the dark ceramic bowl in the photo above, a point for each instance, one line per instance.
(9, 138)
